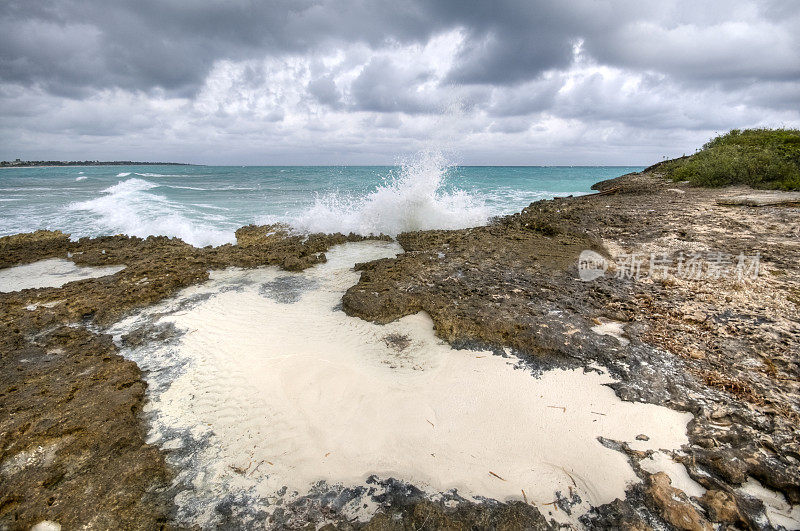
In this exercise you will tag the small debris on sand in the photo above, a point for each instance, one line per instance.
(399, 342)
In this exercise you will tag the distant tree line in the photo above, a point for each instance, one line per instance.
(23, 163)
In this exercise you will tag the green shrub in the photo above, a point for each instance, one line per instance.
(761, 158)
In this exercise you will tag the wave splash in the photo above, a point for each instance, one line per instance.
(417, 196)
(416, 199)
(129, 208)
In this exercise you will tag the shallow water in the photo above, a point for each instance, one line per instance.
(270, 396)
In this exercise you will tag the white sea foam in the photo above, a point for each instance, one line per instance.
(414, 200)
(123, 174)
(129, 208)
(506, 197)
(272, 394)
(175, 186)
(81, 178)
(28, 189)
(212, 207)
(130, 185)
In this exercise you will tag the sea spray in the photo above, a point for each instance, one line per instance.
(414, 199)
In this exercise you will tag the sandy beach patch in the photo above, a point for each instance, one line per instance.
(271, 397)
(52, 273)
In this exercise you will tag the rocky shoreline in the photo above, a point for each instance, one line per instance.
(720, 347)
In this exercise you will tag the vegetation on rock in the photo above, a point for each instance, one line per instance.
(761, 158)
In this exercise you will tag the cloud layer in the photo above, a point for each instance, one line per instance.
(359, 82)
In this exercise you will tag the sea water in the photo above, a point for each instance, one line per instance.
(204, 205)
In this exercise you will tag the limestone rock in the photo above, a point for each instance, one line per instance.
(673, 504)
(721, 507)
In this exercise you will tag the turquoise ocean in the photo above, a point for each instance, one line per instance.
(204, 205)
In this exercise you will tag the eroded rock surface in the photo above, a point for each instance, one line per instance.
(673, 505)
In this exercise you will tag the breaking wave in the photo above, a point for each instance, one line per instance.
(130, 208)
(416, 199)
(127, 173)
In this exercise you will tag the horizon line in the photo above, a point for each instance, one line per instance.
(141, 163)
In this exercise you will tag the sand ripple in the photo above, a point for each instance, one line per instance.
(271, 389)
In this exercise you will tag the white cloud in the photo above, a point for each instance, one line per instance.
(659, 82)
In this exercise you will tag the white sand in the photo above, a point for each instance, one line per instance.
(613, 329)
(46, 525)
(778, 509)
(661, 462)
(52, 273)
(295, 392)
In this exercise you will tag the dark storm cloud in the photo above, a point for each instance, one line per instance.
(69, 46)
(727, 54)
(258, 73)
(526, 99)
(512, 41)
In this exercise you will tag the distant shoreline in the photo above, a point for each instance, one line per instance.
(59, 164)
(74, 164)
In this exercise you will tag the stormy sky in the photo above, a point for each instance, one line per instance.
(366, 82)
